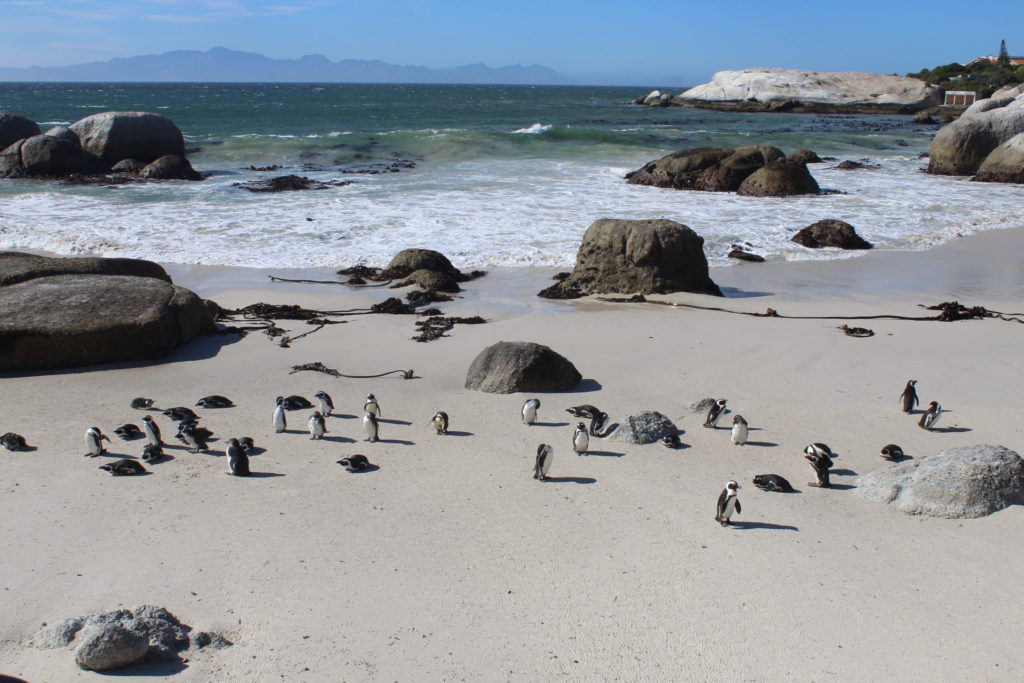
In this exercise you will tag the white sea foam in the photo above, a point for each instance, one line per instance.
(534, 129)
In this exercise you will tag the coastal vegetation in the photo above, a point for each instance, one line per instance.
(982, 76)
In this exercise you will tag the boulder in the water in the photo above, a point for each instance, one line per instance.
(831, 233)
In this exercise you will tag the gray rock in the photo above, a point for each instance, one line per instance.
(431, 279)
(779, 179)
(204, 639)
(408, 261)
(17, 267)
(44, 156)
(1005, 164)
(133, 166)
(805, 156)
(702, 406)
(711, 169)
(103, 647)
(14, 127)
(960, 147)
(959, 483)
(117, 135)
(58, 634)
(64, 133)
(170, 167)
(73, 320)
(831, 233)
(508, 367)
(647, 426)
(637, 257)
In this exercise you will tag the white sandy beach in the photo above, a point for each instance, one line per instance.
(451, 563)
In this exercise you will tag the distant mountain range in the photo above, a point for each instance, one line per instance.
(221, 65)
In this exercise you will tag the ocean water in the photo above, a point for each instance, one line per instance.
(489, 175)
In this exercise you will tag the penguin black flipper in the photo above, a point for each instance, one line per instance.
(739, 508)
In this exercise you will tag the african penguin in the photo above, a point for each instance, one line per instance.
(530, 408)
(728, 503)
(821, 463)
(180, 413)
(355, 463)
(580, 439)
(152, 431)
(152, 453)
(280, 421)
(370, 427)
(772, 482)
(545, 454)
(238, 459)
(586, 411)
(296, 403)
(317, 428)
(94, 442)
(326, 404)
(715, 412)
(739, 431)
(193, 438)
(671, 441)
(247, 443)
(142, 403)
(931, 416)
(892, 452)
(127, 432)
(371, 405)
(908, 399)
(215, 401)
(820, 449)
(440, 422)
(14, 442)
(124, 467)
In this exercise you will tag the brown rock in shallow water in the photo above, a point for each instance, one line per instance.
(44, 156)
(629, 257)
(1005, 164)
(14, 127)
(831, 233)
(507, 367)
(116, 135)
(713, 169)
(804, 156)
(779, 179)
(746, 256)
(170, 167)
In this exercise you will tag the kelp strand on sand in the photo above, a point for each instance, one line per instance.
(951, 311)
(320, 367)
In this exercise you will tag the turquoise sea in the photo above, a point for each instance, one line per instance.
(491, 175)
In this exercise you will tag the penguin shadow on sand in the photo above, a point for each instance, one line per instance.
(394, 422)
(452, 432)
(950, 430)
(337, 439)
(550, 424)
(569, 480)
(262, 475)
(400, 442)
(745, 525)
(762, 444)
(605, 454)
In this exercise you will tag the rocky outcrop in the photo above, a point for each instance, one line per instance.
(408, 261)
(831, 233)
(119, 638)
(960, 483)
(779, 179)
(50, 321)
(805, 156)
(65, 134)
(713, 169)
(744, 255)
(655, 98)
(45, 156)
(644, 427)
(170, 167)
(960, 148)
(17, 267)
(117, 135)
(14, 127)
(630, 257)
(508, 367)
(766, 89)
(1005, 164)
(1008, 91)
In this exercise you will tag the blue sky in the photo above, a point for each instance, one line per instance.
(646, 42)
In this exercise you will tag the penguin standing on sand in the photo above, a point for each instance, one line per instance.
(440, 422)
(728, 503)
(530, 409)
(821, 464)
(715, 412)
(317, 427)
(545, 454)
(931, 416)
(371, 406)
(370, 427)
(280, 421)
(908, 399)
(326, 404)
(739, 431)
(238, 459)
(94, 442)
(580, 439)
(819, 449)
(152, 431)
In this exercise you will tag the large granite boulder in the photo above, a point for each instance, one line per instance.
(507, 367)
(116, 135)
(45, 156)
(64, 133)
(712, 169)
(647, 426)
(779, 179)
(14, 127)
(831, 233)
(1005, 164)
(637, 257)
(408, 261)
(794, 88)
(959, 483)
(169, 167)
(60, 321)
(17, 267)
(805, 156)
(960, 147)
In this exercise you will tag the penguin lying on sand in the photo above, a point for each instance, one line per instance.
(124, 467)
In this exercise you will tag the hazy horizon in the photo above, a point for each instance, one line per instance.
(659, 43)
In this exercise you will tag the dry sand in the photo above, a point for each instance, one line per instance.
(451, 563)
